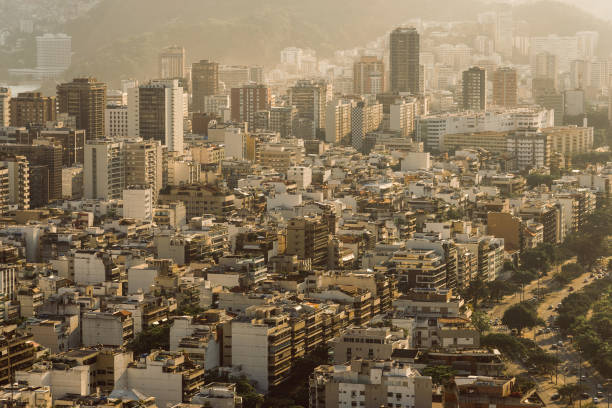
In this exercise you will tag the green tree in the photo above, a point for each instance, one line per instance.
(250, 397)
(521, 316)
(480, 320)
(476, 290)
(498, 288)
(152, 338)
(535, 259)
(544, 362)
(534, 180)
(439, 374)
(570, 392)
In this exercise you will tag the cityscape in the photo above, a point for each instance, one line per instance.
(275, 203)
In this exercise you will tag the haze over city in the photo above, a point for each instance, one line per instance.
(305, 204)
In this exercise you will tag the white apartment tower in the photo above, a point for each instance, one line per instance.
(54, 51)
(5, 99)
(103, 175)
(155, 111)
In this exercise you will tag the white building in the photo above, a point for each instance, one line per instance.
(91, 267)
(413, 161)
(401, 117)
(54, 51)
(5, 98)
(364, 119)
(370, 384)
(431, 129)
(103, 176)
(564, 48)
(302, 176)
(116, 122)
(107, 328)
(338, 122)
(138, 203)
(166, 376)
(156, 111)
(141, 278)
(62, 379)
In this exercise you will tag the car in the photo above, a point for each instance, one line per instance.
(583, 378)
(554, 347)
(555, 397)
(550, 307)
(585, 280)
(595, 400)
(571, 289)
(585, 395)
(599, 394)
(540, 331)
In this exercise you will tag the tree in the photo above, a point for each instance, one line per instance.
(535, 259)
(498, 288)
(534, 180)
(544, 362)
(152, 338)
(480, 320)
(476, 290)
(521, 316)
(439, 374)
(250, 397)
(570, 392)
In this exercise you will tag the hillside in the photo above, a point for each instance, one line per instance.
(121, 38)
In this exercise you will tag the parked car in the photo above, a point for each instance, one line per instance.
(555, 397)
(595, 400)
(585, 395)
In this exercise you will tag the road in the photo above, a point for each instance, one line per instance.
(570, 369)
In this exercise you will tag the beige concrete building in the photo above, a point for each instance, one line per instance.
(199, 199)
(307, 237)
(494, 142)
(369, 384)
(367, 343)
(143, 164)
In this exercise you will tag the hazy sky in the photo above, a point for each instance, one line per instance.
(601, 8)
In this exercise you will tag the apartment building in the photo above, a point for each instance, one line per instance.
(370, 384)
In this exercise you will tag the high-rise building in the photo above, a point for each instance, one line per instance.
(307, 237)
(283, 119)
(546, 66)
(18, 180)
(505, 89)
(311, 98)
(365, 118)
(338, 122)
(31, 108)
(234, 76)
(404, 60)
(143, 165)
(247, 100)
(116, 122)
(172, 62)
(155, 112)
(71, 141)
(53, 51)
(475, 89)
(256, 74)
(587, 44)
(401, 116)
(205, 82)
(45, 169)
(368, 75)
(103, 170)
(85, 99)
(5, 100)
